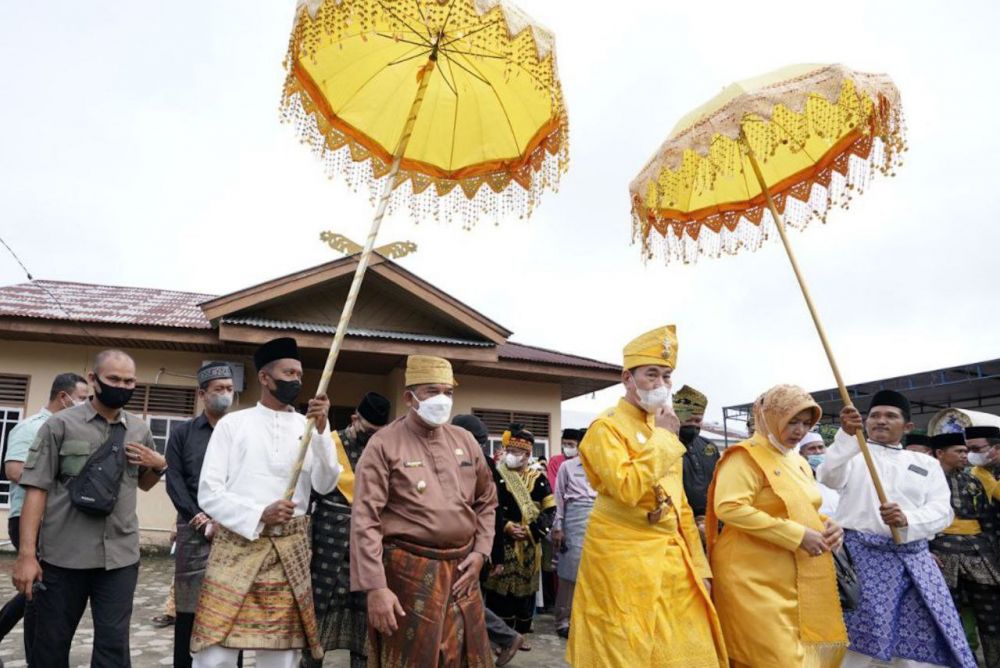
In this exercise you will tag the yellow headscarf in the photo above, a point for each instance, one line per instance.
(774, 409)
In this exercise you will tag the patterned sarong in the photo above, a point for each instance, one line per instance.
(340, 613)
(438, 631)
(905, 609)
(189, 568)
(258, 594)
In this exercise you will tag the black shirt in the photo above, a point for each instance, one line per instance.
(699, 467)
(185, 455)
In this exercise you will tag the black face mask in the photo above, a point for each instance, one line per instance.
(286, 391)
(113, 397)
(688, 433)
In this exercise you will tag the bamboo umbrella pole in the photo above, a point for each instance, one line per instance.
(359, 272)
(844, 396)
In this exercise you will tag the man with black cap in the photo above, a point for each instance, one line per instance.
(257, 593)
(701, 456)
(341, 614)
(185, 454)
(917, 442)
(905, 615)
(964, 551)
(984, 456)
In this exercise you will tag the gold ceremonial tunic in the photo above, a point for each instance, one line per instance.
(755, 587)
(639, 598)
(429, 487)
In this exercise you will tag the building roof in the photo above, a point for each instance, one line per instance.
(975, 386)
(83, 302)
(318, 328)
(526, 353)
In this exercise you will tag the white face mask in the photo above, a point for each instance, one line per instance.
(653, 400)
(218, 403)
(571, 452)
(436, 410)
(979, 458)
(514, 461)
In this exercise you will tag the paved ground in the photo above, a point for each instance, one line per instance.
(154, 647)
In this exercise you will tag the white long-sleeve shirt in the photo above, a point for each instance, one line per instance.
(249, 461)
(914, 481)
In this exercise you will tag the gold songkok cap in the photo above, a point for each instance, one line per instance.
(655, 348)
(688, 402)
(427, 370)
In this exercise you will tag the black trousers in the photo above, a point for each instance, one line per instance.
(18, 607)
(61, 605)
(183, 626)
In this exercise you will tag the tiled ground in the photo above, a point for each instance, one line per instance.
(154, 647)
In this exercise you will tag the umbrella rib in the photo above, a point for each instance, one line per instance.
(453, 85)
(479, 29)
(470, 72)
(405, 41)
(454, 120)
(478, 55)
(444, 26)
(423, 52)
(423, 19)
(496, 94)
(400, 19)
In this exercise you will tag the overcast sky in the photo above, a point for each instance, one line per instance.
(140, 145)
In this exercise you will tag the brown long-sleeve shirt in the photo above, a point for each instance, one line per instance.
(426, 486)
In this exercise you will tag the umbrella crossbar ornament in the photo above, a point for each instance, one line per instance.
(785, 147)
(453, 106)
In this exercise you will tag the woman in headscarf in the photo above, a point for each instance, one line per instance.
(775, 585)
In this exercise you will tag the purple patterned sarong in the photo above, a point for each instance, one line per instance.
(905, 609)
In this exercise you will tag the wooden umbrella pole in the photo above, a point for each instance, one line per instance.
(359, 272)
(844, 396)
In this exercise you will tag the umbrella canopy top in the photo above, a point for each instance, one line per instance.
(818, 132)
(492, 114)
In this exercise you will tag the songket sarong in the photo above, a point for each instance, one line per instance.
(574, 529)
(189, 567)
(905, 610)
(258, 594)
(340, 613)
(438, 631)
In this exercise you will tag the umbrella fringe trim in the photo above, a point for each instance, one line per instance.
(732, 232)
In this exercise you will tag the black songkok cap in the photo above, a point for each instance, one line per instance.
(474, 426)
(572, 435)
(214, 371)
(916, 438)
(982, 432)
(284, 348)
(942, 441)
(375, 409)
(891, 398)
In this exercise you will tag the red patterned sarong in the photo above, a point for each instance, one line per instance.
(439, 631)
(257, 594)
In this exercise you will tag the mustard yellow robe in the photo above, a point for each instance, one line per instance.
(753, 561)
(639, 600)
(990, 483)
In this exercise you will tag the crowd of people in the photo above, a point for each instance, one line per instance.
(409, 543)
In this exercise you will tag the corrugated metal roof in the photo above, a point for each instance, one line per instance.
(318, 328)
(520, 351)
(82, 302)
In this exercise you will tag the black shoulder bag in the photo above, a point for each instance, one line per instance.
(94, 490)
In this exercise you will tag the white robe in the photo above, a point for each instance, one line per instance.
(248, 464)
(915, 481)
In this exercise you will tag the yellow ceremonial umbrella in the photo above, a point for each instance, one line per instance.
(452, 107)
(782, 148)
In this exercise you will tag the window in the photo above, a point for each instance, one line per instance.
(9, 417)
(498, 421)
(13, 389)
(163, 400)
(161, 426)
